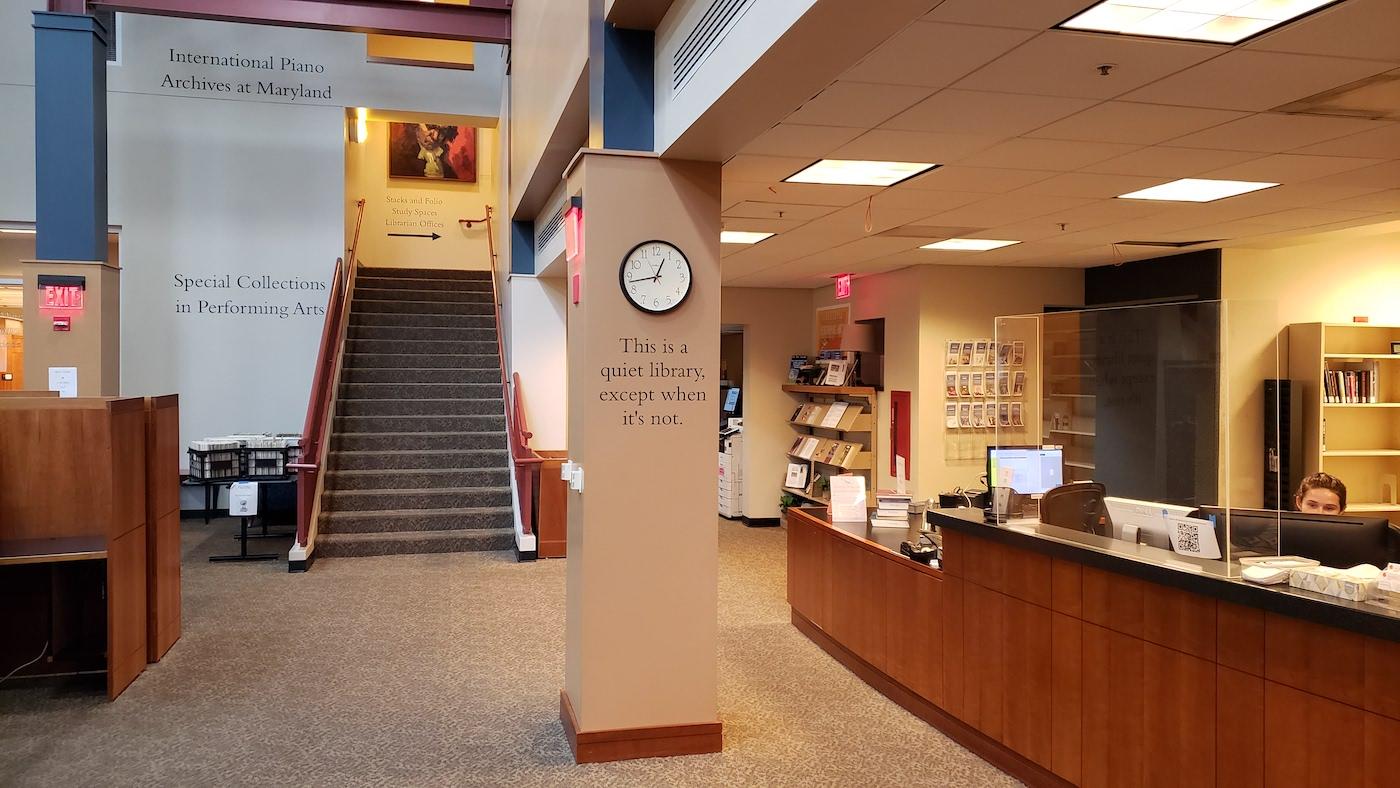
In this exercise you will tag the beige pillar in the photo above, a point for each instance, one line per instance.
(640, 649)
(93, 343)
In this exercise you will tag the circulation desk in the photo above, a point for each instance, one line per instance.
(1065, 664)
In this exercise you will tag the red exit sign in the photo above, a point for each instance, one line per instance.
(843, 285)
(62, 297)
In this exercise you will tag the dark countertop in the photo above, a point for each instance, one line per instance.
(884, 536)
(1375, 619)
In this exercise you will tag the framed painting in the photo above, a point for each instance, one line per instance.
(432, 151)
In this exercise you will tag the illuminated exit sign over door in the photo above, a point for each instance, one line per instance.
(843, 286)
(62, 297)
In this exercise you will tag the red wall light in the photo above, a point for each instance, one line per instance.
(843, 286)
(573, 246)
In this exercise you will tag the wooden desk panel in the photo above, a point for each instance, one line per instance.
(552, 514)
(126, 610)
(162, 525)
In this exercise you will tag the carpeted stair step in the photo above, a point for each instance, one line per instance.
(367, 306)
(407, 319)
(436, 296)
(420, 407)
(422, 334)
(416, 459)
(422, 361)
(390, 375)
(359, 425)
(432, 347)
(363, 282)
(424, 273)
(418, 479)
(417, 441)
(336, 501)
(427, 391)
(333, 545)
(464, 518)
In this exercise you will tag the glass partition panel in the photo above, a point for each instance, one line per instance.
(1114, 429)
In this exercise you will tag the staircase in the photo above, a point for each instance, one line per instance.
(418, 454)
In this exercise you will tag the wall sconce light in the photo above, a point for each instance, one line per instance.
(359, 130)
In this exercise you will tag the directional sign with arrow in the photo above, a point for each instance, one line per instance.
(433, 236)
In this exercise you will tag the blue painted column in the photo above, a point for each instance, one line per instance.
(70, 145)
(629, 98)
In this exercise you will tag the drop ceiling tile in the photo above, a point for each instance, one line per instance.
(747, 225)
(1004, 209)
(1094, 214)
(857, 104)
(1091, 185)
(1038, 15)
(1256, 81)
(1170, 163)
(791, 139)
(922, 202)
(803, 193)
(1309, 217)
(1381, 142)
(1356, 28)
(934, 54)
(1270, 132)
(1380, 202)
(1065, 63)
(991, 180)
(762, 169)
(930, 146)
(1033, 154)
(1381, 176)
(1290, 168)
(771, 210)
(999, 115)
(1144, 124)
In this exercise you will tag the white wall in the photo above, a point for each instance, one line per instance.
(206, 183)
(537, 327)
(549, 54)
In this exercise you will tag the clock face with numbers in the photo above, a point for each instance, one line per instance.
(655, 277)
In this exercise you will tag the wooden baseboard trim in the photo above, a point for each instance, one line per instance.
(989, 750)
(622, 744)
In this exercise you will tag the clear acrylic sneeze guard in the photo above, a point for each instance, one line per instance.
(1141, 402)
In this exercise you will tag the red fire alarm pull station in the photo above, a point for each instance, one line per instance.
(62, 323)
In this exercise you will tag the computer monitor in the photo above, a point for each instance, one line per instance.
(731, 401)
(1029, 470)
(1143, 522)
(1339, 541)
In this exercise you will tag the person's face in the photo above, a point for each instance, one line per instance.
(1320, 501)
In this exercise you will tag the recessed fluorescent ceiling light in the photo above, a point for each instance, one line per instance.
(1195, 190)
(740, 237)
(1218, 21)
(16, 231)
(849, 172)
(968, 245)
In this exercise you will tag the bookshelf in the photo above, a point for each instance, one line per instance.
(837, 424)
(1358, 441)
(1069, 406)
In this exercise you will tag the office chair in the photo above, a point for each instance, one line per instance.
(1078, 506)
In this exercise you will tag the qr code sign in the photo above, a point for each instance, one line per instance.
(1188, 540)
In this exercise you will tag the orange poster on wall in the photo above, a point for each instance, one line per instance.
(831, 326)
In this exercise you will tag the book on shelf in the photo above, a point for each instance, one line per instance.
(797, 444)
(1352, 386)
(848, 452)
(809, 445)
(795, 364)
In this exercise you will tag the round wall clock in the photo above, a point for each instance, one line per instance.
(655, 277)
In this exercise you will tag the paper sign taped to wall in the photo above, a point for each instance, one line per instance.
(64, 380)
(243, 499)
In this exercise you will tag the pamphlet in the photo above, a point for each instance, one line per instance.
(1016, 415)
(977, 388)
(809, 445)
(950, 415)
(794, 367)
(1003, 354)
(836, 372)
(833, 416)
(978, 420)
(965, 384)
(796, 476)
(1018, 353)
(1019, 386)
(848, 498)
(1004, 414)
(965, 414)
(951, 380)
(1004, 383)
(965, 355)
(953, 350)
(979, 355)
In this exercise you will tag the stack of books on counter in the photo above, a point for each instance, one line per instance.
(891, 509)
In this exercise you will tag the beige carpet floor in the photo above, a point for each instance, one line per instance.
(428, 670)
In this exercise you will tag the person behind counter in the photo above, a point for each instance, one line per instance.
(1321, 493)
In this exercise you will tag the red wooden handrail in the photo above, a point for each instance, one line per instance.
(318, 409)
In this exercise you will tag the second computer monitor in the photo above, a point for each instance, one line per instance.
(1029, 470)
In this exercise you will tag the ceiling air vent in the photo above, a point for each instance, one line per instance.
(707, 34)
(1373, 98)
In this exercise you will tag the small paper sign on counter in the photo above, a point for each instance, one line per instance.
(64, 380)
(848, 498)
(243, 499)
(1194, 537)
